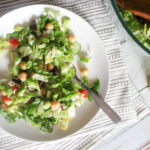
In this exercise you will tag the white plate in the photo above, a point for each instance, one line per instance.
(98, 68)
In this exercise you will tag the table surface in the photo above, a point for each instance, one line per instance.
(136, 137)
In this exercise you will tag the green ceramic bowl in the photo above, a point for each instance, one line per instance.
(114, 5)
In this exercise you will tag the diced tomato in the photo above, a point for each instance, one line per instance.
(7, 99)
(14, 42)
(84, 92)
(15, 89)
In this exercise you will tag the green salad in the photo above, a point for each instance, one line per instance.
(43, 91)
(138, 26)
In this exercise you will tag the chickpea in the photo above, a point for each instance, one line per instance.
(3, 93)
(4, 106)
(40, 66)
(71, 38)
(23, 76)
(55, 105)
(23, 65)
(50, 66)
(43, 91)
(49, 26)
(84, 71)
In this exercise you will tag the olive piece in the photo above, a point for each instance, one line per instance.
(43, 91)
(16, 81)
(25, 58)
(31, 100)
(41, 83)
(33, 26)
(56, 71)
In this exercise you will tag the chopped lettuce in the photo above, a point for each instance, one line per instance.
(6, 88)
(75, 47)
(24, 99)
(18, 28)
(3, 45)
(66, 23)
(52, 12)
(137, 26)
(40, 77)
(10, 117)
(85, 59)
(95, 86)
(70, 96)
(33, 85)
(21, 92)
(19, 34)
(15, 69)
(41, 24)
(13, 57)
(85, 80)
(25, 50)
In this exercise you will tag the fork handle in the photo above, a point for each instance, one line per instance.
(101, 103)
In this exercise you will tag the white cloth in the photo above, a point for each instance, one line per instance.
(121, 96)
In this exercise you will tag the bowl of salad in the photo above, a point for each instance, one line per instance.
(135, 20)
(40, 99)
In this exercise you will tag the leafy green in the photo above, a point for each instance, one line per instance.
(6, 88)
(10, 117)
(52, 12)
(29, 64)
(70, 96)
(75, 47)
(139, 29)
(25, 98)
(40, 77)
(90, 98)
(41, 24)
(25, 50)
(66, 23)
(95, 86)
(18, 28)
(21, 92)
(13, 57)
(85, 59)
(49, 56)
(33, 85)
(12, 35)
(3, 45)
(15, 69)
(35, 53)
(19, 34)
(85, 80)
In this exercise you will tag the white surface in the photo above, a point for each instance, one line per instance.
(137, 136)
(89, 109)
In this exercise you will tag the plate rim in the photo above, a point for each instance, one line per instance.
(108, 70)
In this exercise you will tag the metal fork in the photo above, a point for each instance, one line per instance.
(101, 103)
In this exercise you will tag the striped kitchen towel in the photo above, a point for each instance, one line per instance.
(121, 96)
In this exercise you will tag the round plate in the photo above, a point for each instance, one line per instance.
(98, 68)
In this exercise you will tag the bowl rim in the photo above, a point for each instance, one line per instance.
(114, 5)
